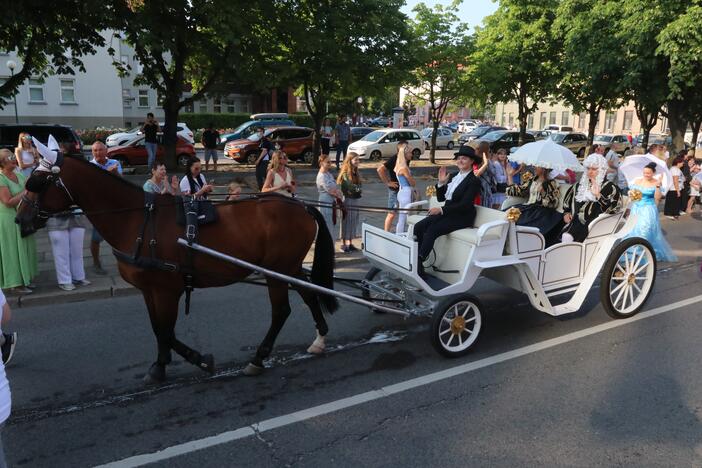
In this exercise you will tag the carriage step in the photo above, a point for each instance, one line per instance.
(434, 283)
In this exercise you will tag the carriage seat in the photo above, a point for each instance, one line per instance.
(470, 235)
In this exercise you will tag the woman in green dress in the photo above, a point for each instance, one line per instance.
(18, 256)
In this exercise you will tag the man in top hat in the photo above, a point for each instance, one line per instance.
(458, 190)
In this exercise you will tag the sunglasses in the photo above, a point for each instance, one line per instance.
(27, 138)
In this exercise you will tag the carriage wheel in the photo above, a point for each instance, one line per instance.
(377, 275)
(455, 325)
(628, 277)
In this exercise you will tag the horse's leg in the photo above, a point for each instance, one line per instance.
(280, 310)
(157, 371)
(312, 301)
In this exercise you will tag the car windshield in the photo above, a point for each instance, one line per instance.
(603, 138)
(373, 136)
(493, 136)
(426, 132)
(557, 137)
(134, 130)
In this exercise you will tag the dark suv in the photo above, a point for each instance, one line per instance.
(9, 134)
(501, 139)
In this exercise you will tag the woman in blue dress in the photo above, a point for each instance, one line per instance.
(646, 209)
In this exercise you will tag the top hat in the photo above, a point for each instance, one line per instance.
(466, 150)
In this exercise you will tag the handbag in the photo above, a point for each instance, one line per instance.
(501, 187)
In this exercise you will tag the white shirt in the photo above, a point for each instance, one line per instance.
(185, 185)
(5, 396)
(455, 182)
(612, 157)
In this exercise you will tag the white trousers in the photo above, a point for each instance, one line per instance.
(404, 198)
(67, 247)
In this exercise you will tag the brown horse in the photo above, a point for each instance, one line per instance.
(271, 231)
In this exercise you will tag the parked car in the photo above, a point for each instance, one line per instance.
(477, 133)
(576, 142)
(249, 128)
(382, 143)
(617, 143)
(539, 134)
(453, 126)
(501, 139)
(9, 134)
(468, 125)
(134, 153)
(557, 128)
(380, 122)
(123, 138)
(297, 142)
(444, 137)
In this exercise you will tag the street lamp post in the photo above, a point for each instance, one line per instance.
(11, 65)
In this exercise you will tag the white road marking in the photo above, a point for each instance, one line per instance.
(355, 400)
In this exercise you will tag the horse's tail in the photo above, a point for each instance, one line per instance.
(322, 273)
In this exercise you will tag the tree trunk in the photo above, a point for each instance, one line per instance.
(593, 111)
(171, 110)
(432, 146)
(677, 124)
(522, 114)
(695, 133)
(648, 120)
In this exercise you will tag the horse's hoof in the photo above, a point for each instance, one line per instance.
(155, 375)
(207, 363)
(315, 349)
(252, 370)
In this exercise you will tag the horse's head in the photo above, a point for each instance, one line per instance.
(45, 192)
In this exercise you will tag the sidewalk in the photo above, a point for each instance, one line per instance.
(112, 284)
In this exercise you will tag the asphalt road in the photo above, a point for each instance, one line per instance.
(628, 395)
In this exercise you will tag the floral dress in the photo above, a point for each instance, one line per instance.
(540, 209)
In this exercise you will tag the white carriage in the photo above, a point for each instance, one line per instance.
(514, 256)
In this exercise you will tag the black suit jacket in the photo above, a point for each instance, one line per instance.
(461, 202)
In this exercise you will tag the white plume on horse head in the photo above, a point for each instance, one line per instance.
(47, 154)
(53, 144)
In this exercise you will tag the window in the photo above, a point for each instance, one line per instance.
(190, 108)
(231, 108)
(628, 119)
(530, 121)
(202, 107)
(137, 65)
(143, 98)
(610, 120)
(542, 121)
(510, 119)
(68, 91)
(565, 115)
(127, 99)
(552, 118)
(217, 106)
(36, 90)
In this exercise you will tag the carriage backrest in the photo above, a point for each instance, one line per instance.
(483, 214)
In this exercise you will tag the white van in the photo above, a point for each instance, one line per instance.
(382, 143)
(557, 128)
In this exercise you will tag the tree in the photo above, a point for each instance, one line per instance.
(590, 57)
(48, 37)
(188, 46)
(515, 56)
(681, 43)
(442, 49)
(342, 48)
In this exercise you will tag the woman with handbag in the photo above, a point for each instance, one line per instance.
(351, 187)
(407, 184)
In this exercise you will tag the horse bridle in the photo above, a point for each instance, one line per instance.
(52, 172)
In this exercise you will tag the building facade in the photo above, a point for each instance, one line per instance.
(100, 97)
(622, 120)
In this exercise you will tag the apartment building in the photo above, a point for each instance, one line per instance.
(621, 120)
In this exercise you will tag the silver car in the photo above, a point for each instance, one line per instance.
(576, 142)
(617, 143)
(444, 137)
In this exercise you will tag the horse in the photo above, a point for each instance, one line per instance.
(273, 231)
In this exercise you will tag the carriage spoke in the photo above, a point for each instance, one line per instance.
(640, 268)
(444, 332)
(447, 320)
(450, 338)
(619, 296)
(638, 261)
(460, 340)
(467, 309)
(631, 296)
(619, 267)
(624, 298)
(621, 285)
(638, 289)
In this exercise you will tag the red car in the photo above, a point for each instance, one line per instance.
(134, 152)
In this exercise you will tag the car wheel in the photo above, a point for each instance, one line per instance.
(251, 157)
(308, 156)
(183, 160)
(581, 153)
(416, 153)
(376, 155)
(449, 145)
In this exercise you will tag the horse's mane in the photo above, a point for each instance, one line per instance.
(116, 177)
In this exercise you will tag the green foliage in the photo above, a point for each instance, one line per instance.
(515, 55)
(337, 50)
(441, 48)
(196, 121)
(41, 32)
(590, 57)
(88, 137)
